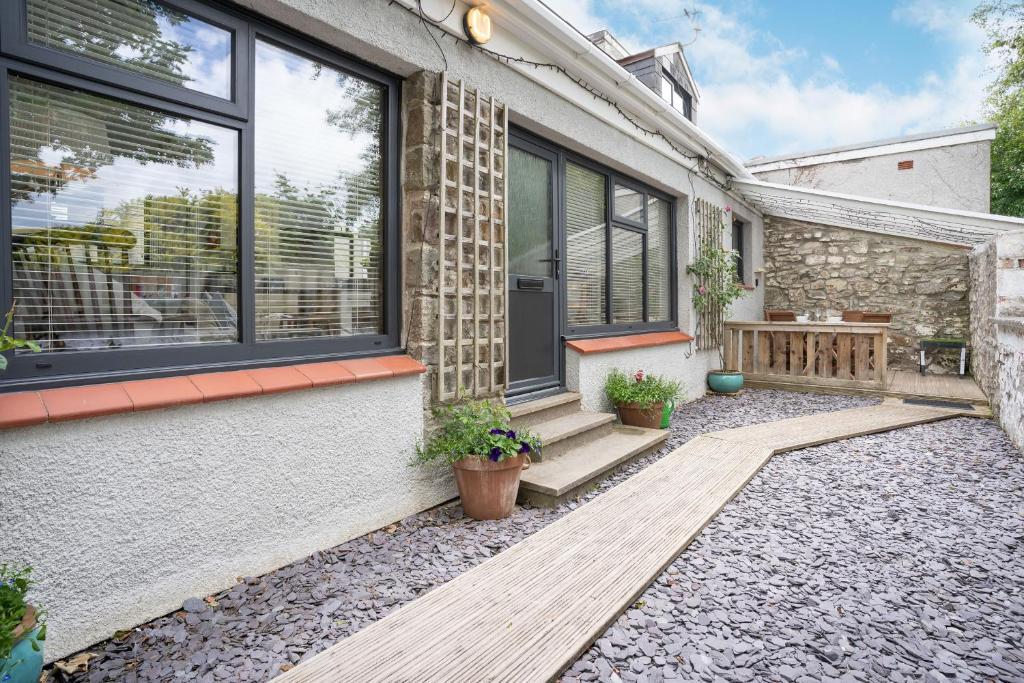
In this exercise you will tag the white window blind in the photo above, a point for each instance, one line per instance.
(659, 260)
(318, 199)
(142, 36)
(586, 239)
(124, 223)
(627, 276)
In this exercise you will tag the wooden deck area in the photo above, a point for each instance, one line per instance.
(900, 384)
(529, 612)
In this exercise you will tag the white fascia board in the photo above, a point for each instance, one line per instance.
(877, 151)
(528, 29)
(987, 222)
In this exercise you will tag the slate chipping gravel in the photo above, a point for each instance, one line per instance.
(897, 556)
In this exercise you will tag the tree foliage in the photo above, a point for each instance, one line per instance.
(1003, 23)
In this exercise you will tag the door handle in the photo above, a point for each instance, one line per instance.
(556, 260)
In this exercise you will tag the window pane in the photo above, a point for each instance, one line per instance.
(529, 214)
(586, 235)
(319, 225)
(629, 204)
(659, 260)
(737, 246)
(139, 35)
(124, 223)
(627, 276)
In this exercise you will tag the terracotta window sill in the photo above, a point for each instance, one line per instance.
(630, 341)
(75, 403)
(749, 288)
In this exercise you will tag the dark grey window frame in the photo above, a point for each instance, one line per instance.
(683, 92)
(68, 368)
(739, 233)
(612, 177)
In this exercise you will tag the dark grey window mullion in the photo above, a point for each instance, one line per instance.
(247, 204)
(609, 211)
(6, 268)
(643, 261)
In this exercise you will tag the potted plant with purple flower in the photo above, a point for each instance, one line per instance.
(487, 455)
(22, 628)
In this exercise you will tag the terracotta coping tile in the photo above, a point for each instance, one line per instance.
(631, 341)
(326, 374)
(274, 380)
(21, 409)
(74, 403)
(367, 368)
(69, 403)
(164, 392)
(403, 365)
(217, 386)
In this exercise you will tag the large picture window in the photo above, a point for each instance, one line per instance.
(185, 188)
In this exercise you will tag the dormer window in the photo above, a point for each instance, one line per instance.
(676, 95)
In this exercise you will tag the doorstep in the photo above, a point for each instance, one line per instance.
(553, 481)
(579, 448)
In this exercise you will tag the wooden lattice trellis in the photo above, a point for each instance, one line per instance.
(472, 334)
(710, 228)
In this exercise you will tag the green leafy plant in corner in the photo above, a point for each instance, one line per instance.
(475, 429)
(7, 342)
(717, 286)
(14, 587)
(640, 389)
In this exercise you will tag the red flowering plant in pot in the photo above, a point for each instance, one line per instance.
(641, 398)
(476, 438)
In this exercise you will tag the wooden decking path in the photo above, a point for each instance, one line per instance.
(530, 611)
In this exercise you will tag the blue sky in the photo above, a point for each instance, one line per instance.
(790, 75)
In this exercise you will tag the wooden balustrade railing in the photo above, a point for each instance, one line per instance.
(828, 354)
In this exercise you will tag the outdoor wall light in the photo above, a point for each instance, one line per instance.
(758, 275)
(478, 25)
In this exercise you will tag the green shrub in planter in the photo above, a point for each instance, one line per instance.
(22, 628)
(640, 398)
(487, 456)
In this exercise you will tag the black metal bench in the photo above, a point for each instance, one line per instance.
(941, 344)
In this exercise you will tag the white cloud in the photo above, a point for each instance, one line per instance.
(753, 101)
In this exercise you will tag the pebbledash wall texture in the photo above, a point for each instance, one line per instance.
(814, 268)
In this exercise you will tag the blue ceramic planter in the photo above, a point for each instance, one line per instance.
(25, 664)
(725, 382)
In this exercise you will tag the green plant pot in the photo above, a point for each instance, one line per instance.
(666, 413)
(724, 382)
(25, 664)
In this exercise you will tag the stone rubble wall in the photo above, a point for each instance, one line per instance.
(997, 328)
(421, 98)
(815, 268)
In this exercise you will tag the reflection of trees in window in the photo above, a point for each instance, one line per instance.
(89, 132)
(318, 227)
(121, 32)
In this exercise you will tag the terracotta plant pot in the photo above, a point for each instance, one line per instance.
(25, 663)
(488, 489)
(632, 415)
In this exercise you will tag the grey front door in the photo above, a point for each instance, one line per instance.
(535, 350)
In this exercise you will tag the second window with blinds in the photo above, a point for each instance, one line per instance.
(620, 259)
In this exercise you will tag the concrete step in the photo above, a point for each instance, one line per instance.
(561, 434)
(557, 479)
(543, 409)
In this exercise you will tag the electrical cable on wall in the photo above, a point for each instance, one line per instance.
(703, 165)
